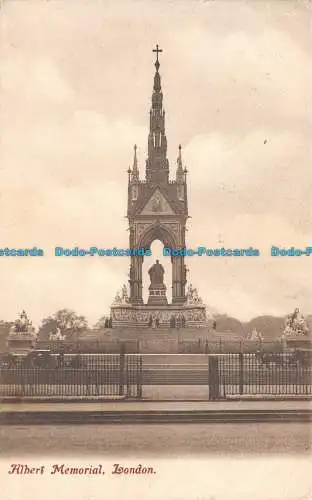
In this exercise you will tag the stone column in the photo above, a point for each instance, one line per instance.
(139, 280)
(136, 280)
(174, 282)
(178, 285)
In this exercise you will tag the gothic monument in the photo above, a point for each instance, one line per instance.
(157, 210)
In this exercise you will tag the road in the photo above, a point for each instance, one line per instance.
(154, 440)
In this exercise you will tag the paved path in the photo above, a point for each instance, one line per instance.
(156, 413)
(167, 406)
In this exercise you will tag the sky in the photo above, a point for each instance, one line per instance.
(76, 84)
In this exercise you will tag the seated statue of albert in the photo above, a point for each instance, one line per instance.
(156, 273)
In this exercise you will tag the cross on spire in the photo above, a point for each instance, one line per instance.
(157, 50)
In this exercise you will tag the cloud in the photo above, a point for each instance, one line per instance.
(42, 79)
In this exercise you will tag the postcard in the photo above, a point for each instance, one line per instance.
(156, 252)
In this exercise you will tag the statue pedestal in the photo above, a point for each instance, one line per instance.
(157, 295)
(301, 342)
(21, 341)
(22, 336)
(140, 316)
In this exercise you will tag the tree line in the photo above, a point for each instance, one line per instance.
(68, 322)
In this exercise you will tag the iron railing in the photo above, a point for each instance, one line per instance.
(124, 375)
(81, 376)
(260, 374)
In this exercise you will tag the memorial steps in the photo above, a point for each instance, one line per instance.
(182, 334)
(156, 335)
(148, 340)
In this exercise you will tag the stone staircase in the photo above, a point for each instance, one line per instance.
(158, 340)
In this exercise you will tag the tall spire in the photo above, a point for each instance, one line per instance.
(157, 167)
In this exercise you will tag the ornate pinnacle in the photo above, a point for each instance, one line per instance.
(135, 160)
(179, 174)
(135, 171)
(179, 159)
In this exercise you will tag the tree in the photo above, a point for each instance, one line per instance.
(4, 332)
(70, 324)
(103, 322)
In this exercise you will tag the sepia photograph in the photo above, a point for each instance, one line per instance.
(156, 249)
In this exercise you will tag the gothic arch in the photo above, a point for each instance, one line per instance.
(157, 232)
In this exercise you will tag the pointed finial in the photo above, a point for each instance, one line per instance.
(135, 170)
(135, 160)
(179, 159)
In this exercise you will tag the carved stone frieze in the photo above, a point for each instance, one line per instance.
(174, 229)
(141, 227)
(126, 314)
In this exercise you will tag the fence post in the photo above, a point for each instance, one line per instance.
(139, 377)
(122, 369)
(214, 383)
(241, 373)
(22, 379)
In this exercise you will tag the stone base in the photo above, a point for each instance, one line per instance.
(21, 342)
(139, 316)
(157, 296)
(299, 342)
